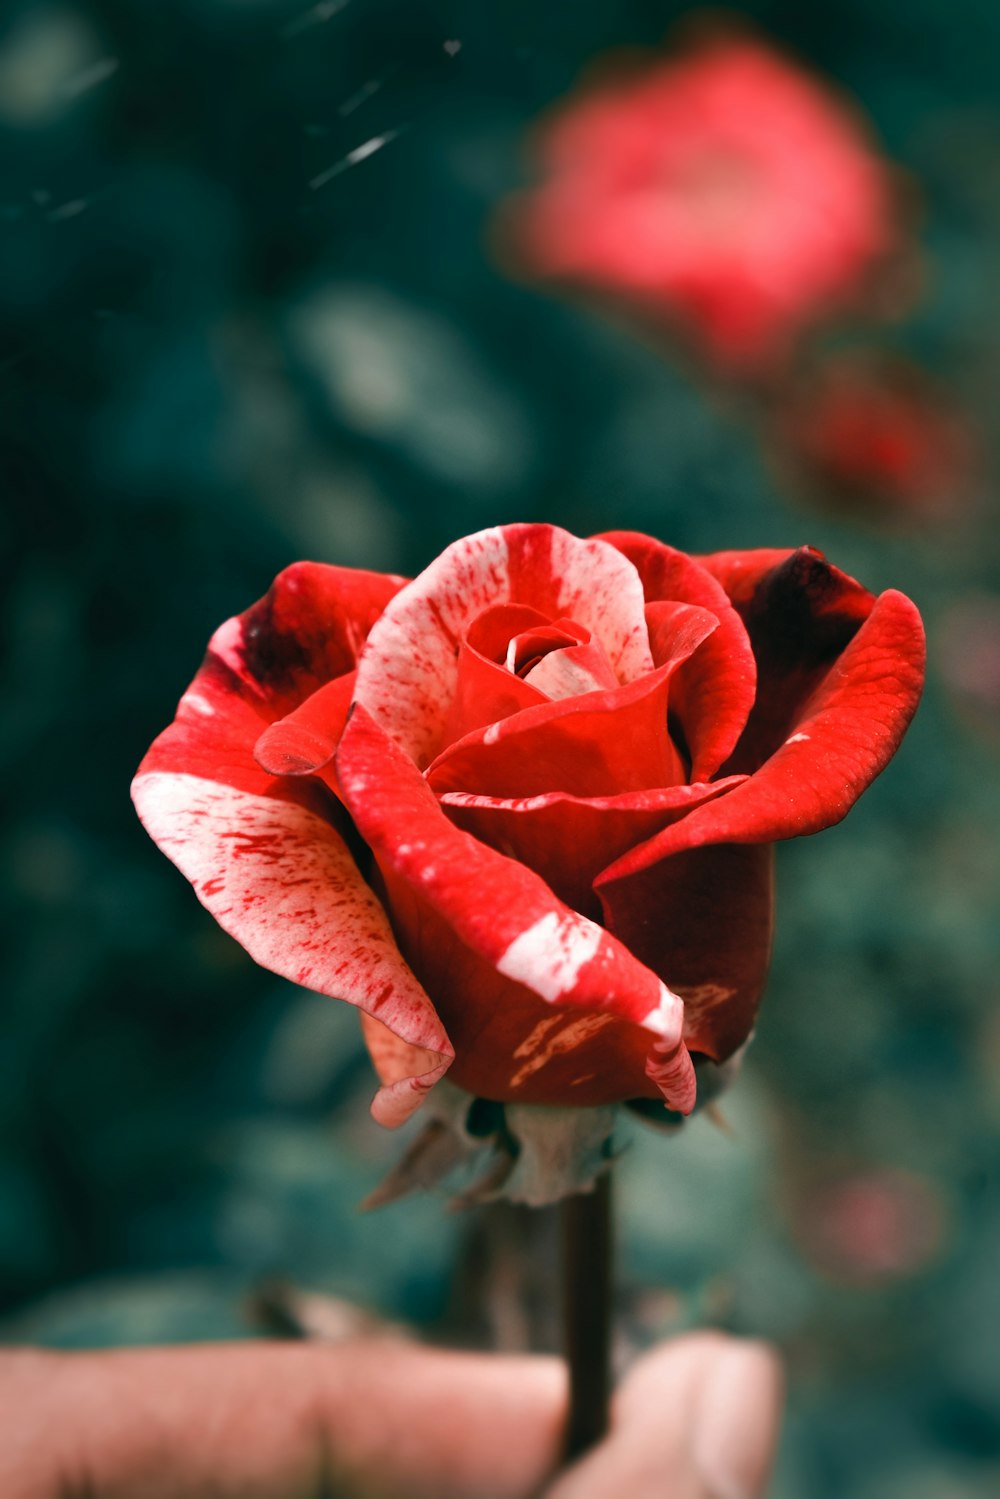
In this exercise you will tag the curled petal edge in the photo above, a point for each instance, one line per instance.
(845, 735)
(281, 880)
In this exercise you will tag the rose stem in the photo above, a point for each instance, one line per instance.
(586, 1245)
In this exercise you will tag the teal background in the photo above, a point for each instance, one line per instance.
(212, 366)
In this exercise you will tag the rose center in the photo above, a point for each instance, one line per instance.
(560, 659)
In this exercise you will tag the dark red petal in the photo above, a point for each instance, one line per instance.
(307, 629)
(407, 677)
(714, 691)
(705, 918)
(502, 914)
(263, 664)
(568, 840)
(800, 617)
(739, 573)
(844, 735)
(594, 745)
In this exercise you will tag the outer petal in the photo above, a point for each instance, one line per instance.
(440, 880)
(568, 840)
(844, 735)
(800, 615)
(262, 665)
(307, 629)
(264, 855)
(739, 573)
(408, 673)
(714, 691)
(282, 881)
(705, 918)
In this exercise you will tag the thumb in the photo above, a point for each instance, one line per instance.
(696, 1418)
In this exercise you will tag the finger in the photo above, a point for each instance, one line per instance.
(737, 1422)
(269, 1421)
(697, 1418)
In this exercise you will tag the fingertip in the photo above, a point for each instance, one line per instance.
(737, 1420)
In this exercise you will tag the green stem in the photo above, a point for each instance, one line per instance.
(587, 1243)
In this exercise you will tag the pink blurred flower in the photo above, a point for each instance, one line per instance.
(873, 1226)
(722, 188)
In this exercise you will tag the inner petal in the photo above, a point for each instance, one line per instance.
(570, 672)
(514, 657)
(561, 660)
(591, 744)
(490, 633)
(527, 648)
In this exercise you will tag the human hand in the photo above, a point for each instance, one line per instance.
(378, 1418)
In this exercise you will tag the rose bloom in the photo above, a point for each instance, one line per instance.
(520, 810)
(875, 436)
(722, 188)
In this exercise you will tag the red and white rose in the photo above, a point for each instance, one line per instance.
(520, 810)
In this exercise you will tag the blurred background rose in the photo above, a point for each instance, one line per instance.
(253, 311)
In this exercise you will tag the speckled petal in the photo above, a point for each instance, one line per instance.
(265, 853)
(494, 906)
(281, 880)
(408, 673)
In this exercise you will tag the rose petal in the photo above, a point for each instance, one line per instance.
(676, 630)
(499, 911)
(844, 735)
(263, 664)
(705, 918)
(714, 691)
(492, 631)
(594, 745)
(408, 673)
(304, 741)
(264, 854)
(597, 744)
(574, 670)
(738, 573)
(532, 645)
(800, 616)
(281, 880)
(568, 840)
(307, 629)
(485, 693)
